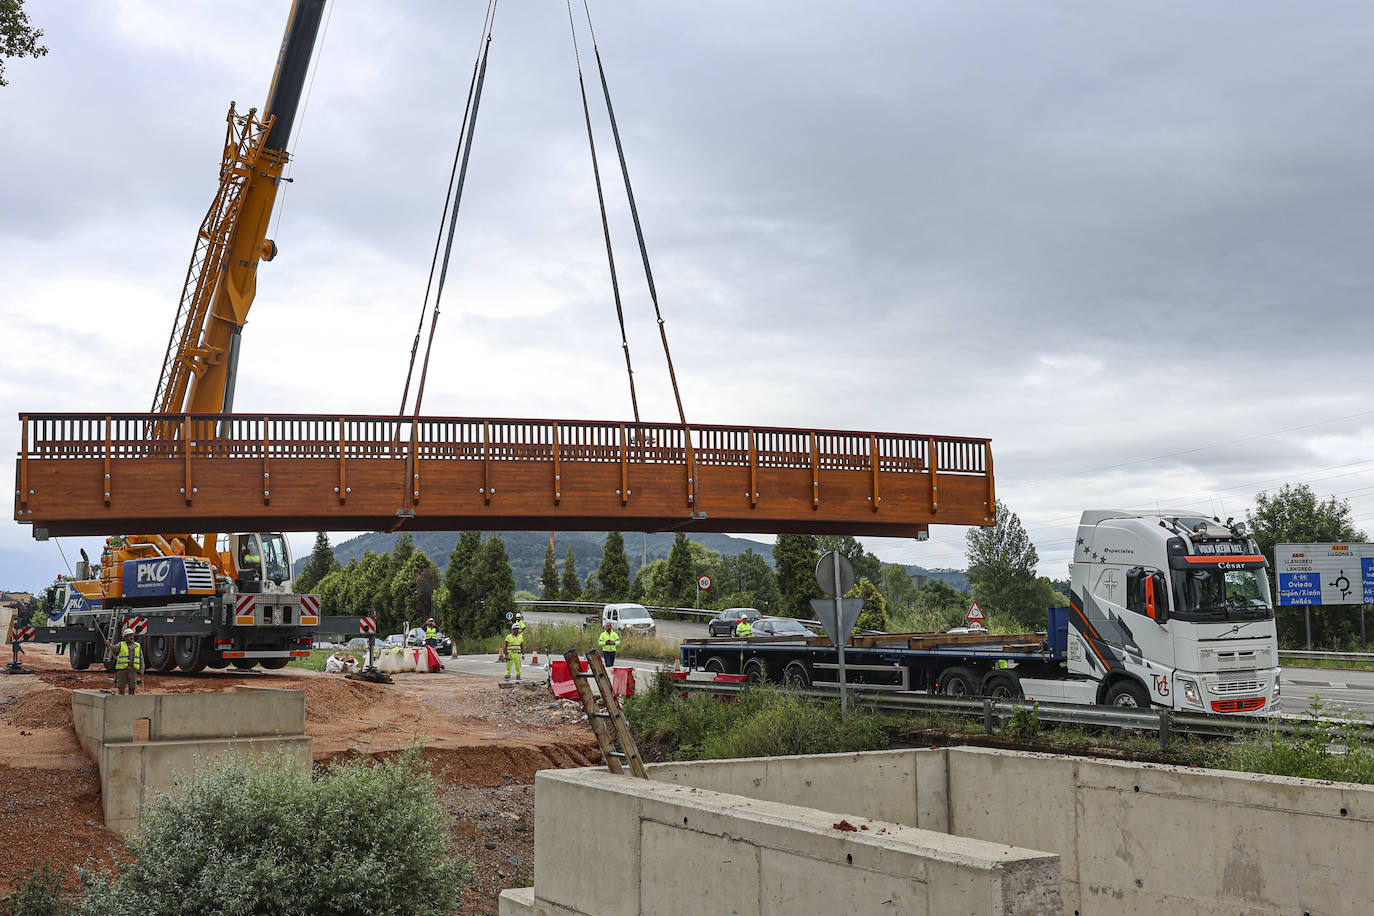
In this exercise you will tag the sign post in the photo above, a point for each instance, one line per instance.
(835, 576)
(703, 585)
(975, 617)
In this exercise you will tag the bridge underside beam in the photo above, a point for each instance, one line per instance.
(97, 475)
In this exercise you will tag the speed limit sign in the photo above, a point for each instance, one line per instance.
(704, 583)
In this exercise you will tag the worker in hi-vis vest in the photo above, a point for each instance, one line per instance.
(512, 648)
(128, 663)
(431, 633)
(609, 643)
(743, 628)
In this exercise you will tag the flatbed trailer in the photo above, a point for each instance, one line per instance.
(954, 663)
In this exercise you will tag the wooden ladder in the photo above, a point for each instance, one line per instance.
(617, 744)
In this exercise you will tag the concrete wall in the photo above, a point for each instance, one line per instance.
(146, 744)
(1133, 838)
(671, 849)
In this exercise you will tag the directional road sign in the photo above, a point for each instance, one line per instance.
(1325, 573)
(835, 579)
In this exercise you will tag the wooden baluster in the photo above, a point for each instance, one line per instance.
(691, 458)
(187, 491)
(266, 468)
(624, 491)
(557, 469)
(876, 499)
(933, 462)
(108, 482)
(486, 463)
(991, 504)
(342, 488)
(815, 473)
(753, 493)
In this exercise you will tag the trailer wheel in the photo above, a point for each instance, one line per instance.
(160, 657)
(79, 654)
(715, 664)
(797, 674)
(958, 682)
(188, 654)
(245, 664)
(1128, 694)
(755, 671)
(217, 663)
(1003, 685)
(274, 664)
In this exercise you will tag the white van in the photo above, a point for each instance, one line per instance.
(630, 618)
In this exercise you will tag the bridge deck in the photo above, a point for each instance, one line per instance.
(97, 474)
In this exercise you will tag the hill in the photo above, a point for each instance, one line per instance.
(526, 551)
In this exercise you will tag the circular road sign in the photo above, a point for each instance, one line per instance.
(825, 574)
(704, 583)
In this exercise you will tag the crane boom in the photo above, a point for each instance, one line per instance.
(201, 362)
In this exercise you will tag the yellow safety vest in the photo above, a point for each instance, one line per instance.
(608, 641)
(515, 642)
(521, 625)
(431, 632)
(122, 658)
(744, 629)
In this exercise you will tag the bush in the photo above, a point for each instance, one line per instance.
(261, 837)
(767, 721)
(1327, 750)
(38, 893)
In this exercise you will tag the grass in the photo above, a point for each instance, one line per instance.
(1339, 664)
(559, 638)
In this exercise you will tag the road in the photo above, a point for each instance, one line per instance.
(1352, 690)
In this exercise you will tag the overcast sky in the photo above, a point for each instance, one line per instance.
(1128, 242)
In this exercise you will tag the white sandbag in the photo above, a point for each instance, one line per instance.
(389, 661)
(340, 663)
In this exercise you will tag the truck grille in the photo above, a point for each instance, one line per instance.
(1248, 705)
(1239, 687)
(199, 575)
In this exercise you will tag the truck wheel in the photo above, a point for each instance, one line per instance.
(160, 657)
(797, 674)
(274, 664)
(217, 663)
(958, 682)
(1003, 685)
(245, 664)
(1128, 694)
(755, 671)
(188, 654)
(79, 654)
(716, 665)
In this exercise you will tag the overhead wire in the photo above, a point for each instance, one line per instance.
(634, 213)
(448, 198)
(605, 224)
(471, 125)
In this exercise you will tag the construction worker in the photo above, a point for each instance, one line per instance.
(609, 643)
(520, 622)
(431, 633)
(743, 628)
(512, 649)
(128, 663)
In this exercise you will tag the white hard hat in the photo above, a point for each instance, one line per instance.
(129, 631)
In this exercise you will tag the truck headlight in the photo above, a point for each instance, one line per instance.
(1190, 691)
(1276, 686)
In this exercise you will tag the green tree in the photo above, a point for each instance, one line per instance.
(403, 548)
(874, 614)
(493, 591)
(408, 601)
(17, 37)
(1294, 515)
(548, 580)
(679, 576)
(461, 562)
(900, 591)
(1001, 569)
(613, 574)
(572, 585)
(745, 580)
(321, 563)
(370, 589)
(795, 557)
(939, 606)
(591, 590)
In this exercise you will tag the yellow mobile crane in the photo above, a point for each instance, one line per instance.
(209, 599)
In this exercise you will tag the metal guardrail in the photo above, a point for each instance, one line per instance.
(1163, 722)
(575, 606)
(1337, 656)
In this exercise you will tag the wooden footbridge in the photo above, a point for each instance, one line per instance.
(94, 474)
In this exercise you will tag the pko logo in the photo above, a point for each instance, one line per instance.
(154, 572)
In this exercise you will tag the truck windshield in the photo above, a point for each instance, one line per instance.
(276, 557)
(1223, 594)
(634, 612)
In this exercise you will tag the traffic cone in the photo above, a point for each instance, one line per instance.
(534, 659)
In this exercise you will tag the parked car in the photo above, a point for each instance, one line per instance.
(416, 638)
(779, 626)
(724, 623)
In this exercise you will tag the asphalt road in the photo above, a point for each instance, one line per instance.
(1352, 690)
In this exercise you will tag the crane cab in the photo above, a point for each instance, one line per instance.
(260, 562)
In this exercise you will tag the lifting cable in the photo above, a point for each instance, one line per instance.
(450, 215)
(634, 212)
(605, 225)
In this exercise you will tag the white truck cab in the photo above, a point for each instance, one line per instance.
(1169, 609)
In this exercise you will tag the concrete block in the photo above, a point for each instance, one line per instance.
(932, 789)
(792, 884)
(516, 902)
(723, 875)
(570, 812)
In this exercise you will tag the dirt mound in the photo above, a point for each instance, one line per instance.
(58, 820)
(50, 708)
(341, 698)
(498, 765)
